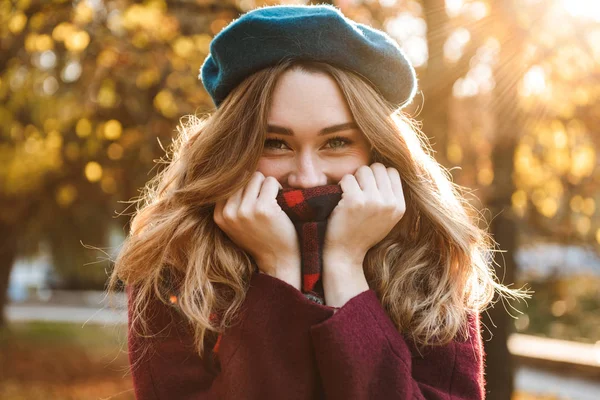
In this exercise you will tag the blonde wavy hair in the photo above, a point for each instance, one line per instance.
(430, 272)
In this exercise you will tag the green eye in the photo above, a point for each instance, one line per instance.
(334, 143)
(341, 142)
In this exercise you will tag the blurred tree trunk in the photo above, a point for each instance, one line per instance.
(509, 125)
(8, 253)
(438, 79)
(436, 87)
(499, 362)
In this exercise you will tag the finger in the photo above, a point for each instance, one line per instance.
(350, 187)
(232, 204)
(269, 190)
(366, 180)
(396, 183)
(382, 179)
(252, 190)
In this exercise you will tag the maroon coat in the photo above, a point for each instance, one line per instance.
(288, 347)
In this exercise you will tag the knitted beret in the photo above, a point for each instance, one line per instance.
(265, 36)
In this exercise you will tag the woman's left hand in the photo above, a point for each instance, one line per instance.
(372, 204)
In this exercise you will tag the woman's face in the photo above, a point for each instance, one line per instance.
(311, 138)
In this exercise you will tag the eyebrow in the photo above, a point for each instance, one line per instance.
(325, 131)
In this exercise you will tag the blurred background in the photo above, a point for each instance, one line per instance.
(91, 93)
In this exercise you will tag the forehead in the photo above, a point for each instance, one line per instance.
(312, 98)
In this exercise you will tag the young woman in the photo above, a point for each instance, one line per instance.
(303, 243)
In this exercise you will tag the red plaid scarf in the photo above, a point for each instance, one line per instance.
(309, 209)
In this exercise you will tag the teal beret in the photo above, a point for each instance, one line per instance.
(265, 36)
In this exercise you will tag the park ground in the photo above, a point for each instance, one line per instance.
(62, 361)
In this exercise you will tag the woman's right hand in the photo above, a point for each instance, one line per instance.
(254, 221)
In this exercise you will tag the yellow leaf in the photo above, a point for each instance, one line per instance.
(203, 43)
(63, 31)
(583, 225)
(107, 58)
(576, 203)
(93, 171)
(548, 207)
(112, 129)
(184, 47)
(83, 13)
(78, 41)
(83, 128)
(485, 176)
(519, 199)
(454, 153)
(583, 162)
(17, 23)
(589, 206)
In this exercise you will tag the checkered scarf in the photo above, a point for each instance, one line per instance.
(309, 209)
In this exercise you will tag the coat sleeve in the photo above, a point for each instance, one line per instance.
(166, 366)
(361, 355)
(271, 335)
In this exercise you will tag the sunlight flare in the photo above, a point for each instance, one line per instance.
(582, 8)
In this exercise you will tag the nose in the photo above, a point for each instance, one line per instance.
(307, 173)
